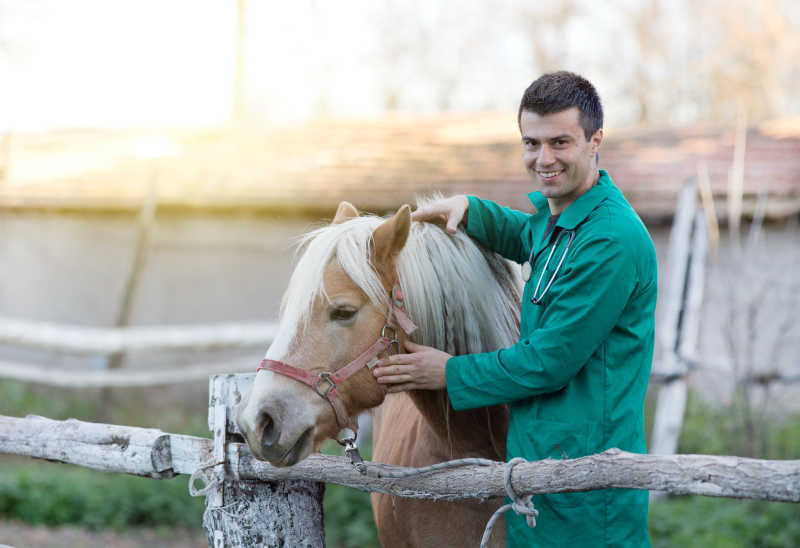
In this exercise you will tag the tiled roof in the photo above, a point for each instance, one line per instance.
(381, 164)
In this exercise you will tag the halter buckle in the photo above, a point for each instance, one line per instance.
(394, 332)
(325, 376)
(393, 340)
(351, 450)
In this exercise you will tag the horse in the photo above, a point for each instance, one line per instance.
(340, 297)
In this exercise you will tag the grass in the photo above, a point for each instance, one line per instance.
(347, 511)
(724, 523)
(57, 494)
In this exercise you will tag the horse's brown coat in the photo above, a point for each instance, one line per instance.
(407, 436)
(410, 429)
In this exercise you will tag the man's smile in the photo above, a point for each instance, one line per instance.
(547, 176)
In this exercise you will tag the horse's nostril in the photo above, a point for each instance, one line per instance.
(269, 430)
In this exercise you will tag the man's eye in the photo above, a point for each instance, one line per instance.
(342, 314)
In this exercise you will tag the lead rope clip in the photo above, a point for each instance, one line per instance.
(351, 450)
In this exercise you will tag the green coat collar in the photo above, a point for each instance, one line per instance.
(580, 208)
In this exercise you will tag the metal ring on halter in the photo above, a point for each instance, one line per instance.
(393, 341)
(394, 332)
(348, 439)
(325, 376)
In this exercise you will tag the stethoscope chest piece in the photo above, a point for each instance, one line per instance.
(526, 271)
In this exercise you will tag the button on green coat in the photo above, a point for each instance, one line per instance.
(577, 378)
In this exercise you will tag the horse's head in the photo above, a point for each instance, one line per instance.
(336, 306)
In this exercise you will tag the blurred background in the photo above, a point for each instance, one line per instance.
(157, 160)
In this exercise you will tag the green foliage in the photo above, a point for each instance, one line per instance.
(131, 406)
(348, 518)
(724, 523)
(712, 430)
(18, 399)
(53, 494)
(348, 514)
(719, 522)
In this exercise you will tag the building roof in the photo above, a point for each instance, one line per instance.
(378, 165)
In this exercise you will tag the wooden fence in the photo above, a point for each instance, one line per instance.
(240, 491)
(109, 341)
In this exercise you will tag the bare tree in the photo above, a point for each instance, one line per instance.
(429, 49)
(746, 54)
(759, 326)
(667, 63)
(648, 26)
(239, 84)
(545, 26)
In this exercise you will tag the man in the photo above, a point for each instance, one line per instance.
(576, 380)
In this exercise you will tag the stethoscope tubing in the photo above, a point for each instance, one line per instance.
(534, 298)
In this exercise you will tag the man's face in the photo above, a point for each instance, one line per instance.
(557, 155)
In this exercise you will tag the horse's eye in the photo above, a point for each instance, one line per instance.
(342, 314)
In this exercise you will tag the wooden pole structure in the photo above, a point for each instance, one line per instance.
(679, 321)
(111, 340)
(125, 311)
(242, 512)
(5, 159)
(118, 378)
(152, 453)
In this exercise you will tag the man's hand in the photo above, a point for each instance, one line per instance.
(451, 209)
(422, 368)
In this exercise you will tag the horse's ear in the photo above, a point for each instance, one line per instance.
(345, 212)
(391, 236)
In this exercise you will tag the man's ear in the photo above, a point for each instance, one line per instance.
(595, 140)
(344, 212)
(390, 238)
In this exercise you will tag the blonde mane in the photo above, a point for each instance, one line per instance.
(464, 298)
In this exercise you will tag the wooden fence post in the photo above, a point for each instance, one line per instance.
(247, 512)
(679, 320)
(145, 224)
(5, 159)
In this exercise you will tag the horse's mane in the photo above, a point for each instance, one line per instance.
(463, 298)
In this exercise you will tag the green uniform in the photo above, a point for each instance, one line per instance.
(577, 378)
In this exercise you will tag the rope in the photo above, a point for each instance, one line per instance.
(240, 516)
(522, 505)
(209, 481)
(396, 474)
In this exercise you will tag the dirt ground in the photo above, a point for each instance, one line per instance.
(20, 535)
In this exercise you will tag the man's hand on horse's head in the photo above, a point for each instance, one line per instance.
(423, 368)
(451, 209)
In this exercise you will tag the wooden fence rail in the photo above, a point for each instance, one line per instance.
(153, 453)
(104, 340)
(119, 378)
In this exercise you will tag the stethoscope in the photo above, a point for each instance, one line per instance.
(526, 267)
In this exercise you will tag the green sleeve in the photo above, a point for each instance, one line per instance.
(501, 229)
(582, 307)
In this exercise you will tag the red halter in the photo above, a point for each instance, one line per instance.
(326, 384)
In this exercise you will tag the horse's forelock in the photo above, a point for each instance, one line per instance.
(349, 244)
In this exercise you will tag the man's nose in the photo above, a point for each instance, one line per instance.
(546, 156)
